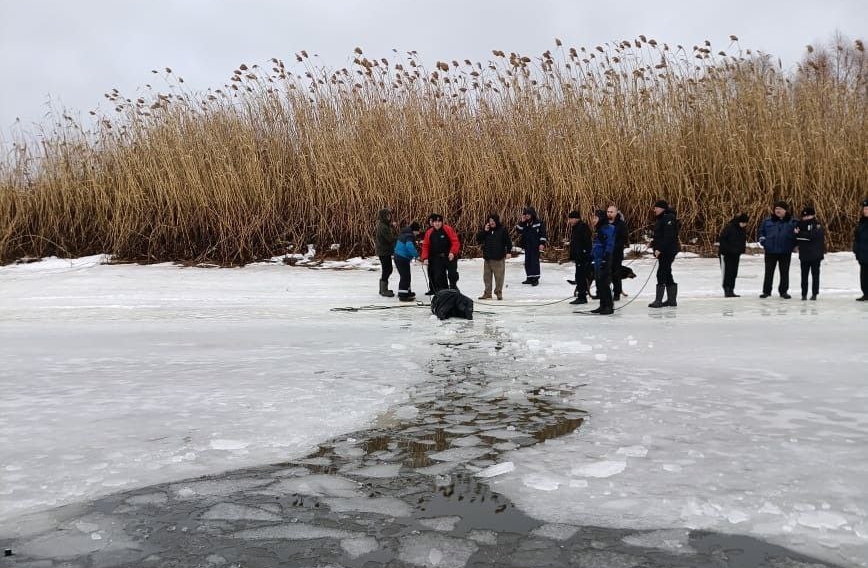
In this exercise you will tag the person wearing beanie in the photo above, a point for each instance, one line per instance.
(440, 248)
(811, 241)
(533, 239)
(860, 249)
(604, 245)
(616, 219)
(778, 239)
(496, 246)
(384, 244)
(580, 253)
(405, 252)
(665, 246)
(731, 245)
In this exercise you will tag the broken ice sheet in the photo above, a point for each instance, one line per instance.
(318, 486)
(388, 506)
(433, 550)
(234, 512)
(377, 471)
(294, 531)
(356, 547)
(459, 454)
(443, 524)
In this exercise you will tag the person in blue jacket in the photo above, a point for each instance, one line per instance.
(405, 252)
(778, 238)
(860, 249)
(533, 239)
(601, 251)
(811, 240)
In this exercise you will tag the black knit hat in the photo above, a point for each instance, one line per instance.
(574, 215)
(865, 203)
(414, 226)
(661, 203)
(742, 218)
(782, 204)
(435, 217)
(602, 218)
(808, 211)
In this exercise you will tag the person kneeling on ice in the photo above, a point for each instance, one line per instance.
(405, 252)
(603, 247)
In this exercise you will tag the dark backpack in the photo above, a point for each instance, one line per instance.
(447, 304)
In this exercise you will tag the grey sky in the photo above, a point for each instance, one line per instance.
(71, 52)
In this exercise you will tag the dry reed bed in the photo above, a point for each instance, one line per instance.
(278, 157)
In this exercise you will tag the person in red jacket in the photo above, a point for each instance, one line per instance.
(440, 248)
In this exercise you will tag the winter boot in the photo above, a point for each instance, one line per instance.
(535, 281)
(485, 296)
(597, 310)
(658, 298)
(607, 311)
(580, 300)
(671, 295)
(729, 293)
(384, 289)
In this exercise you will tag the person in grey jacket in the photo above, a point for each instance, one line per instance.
(811, 240)
(778, 238)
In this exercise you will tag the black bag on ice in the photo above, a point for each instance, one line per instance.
(447, 304)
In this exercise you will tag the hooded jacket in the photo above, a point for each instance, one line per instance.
(811, 240)
(385, 236)
(666, 233)
(733, 239)
(776, 235)
(581, 242)
(604, 241)
(860, 241)
(532, 233)
(495, 242)
(405, 247)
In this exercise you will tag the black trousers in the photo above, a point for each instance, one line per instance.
(664, 270)
(863, 277)
(782, 261)
(617, 263)
(531, 262)
(386, 265)
(437, 266)
(583, 270)
(811, 267)
(403, 266)
(729, 267)
(603, 276)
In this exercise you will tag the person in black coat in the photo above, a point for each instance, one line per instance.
(810, 238)
(665, 246)
(533, 239)
(580, 253)
(731, 245)
(860, 249)
(616, 219)
(496, 246)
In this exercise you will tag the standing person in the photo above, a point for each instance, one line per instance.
(860, 249)
(384, 245)
(811, 240)
(732, 244)
(616, 219)
(665, 246)
(603, 247)
(532, 238)
(778, 239)
(440, 248)
(496, 246)
(405, 252)
(580, 253)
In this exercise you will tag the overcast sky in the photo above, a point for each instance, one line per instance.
(71, 52)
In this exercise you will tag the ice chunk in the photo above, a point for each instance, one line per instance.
(319, 486)
(378, 471)
(506, 434)
(432, 550)
(148, 499)
(461, 429)
(294, 531)
(555, 531)
(443, 524)
(216, 487)
(599, 469)
(505, 446)
(356, 547)
(389, 506)
(821, 520)
(233, 512)
(228, 445)
(671, 540)
(467, 441)
(459, 454)
(406, 412)
(437, 469)
(633, 451)
(497, 469)
(483, 537)
(541, 482)
(315, 461)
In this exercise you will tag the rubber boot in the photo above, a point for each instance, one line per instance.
(671, 295)
(384, 289)
(658, 298)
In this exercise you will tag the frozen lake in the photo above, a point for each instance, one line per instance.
(740, 416)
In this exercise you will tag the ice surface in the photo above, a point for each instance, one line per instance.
(432, 550)
(483, 537)
(459, 454)
(604, 468)
(356, 547)
(675, 541)
(377, 471)
(444, 524)
(233, 512)
(467, 441)
(555, 531)
(496, 469)
(318, 486)
(216, 487)
(294, 531)
(389, 506)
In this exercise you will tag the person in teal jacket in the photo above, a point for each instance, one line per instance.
(405, 251)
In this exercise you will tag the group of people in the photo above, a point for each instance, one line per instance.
(598, 252)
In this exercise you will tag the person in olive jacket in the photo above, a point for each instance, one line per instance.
(811, 240)
(731, 245)
(496, 246)
(860, 248)
(665, 246)
(384, 244)
(778, 239)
